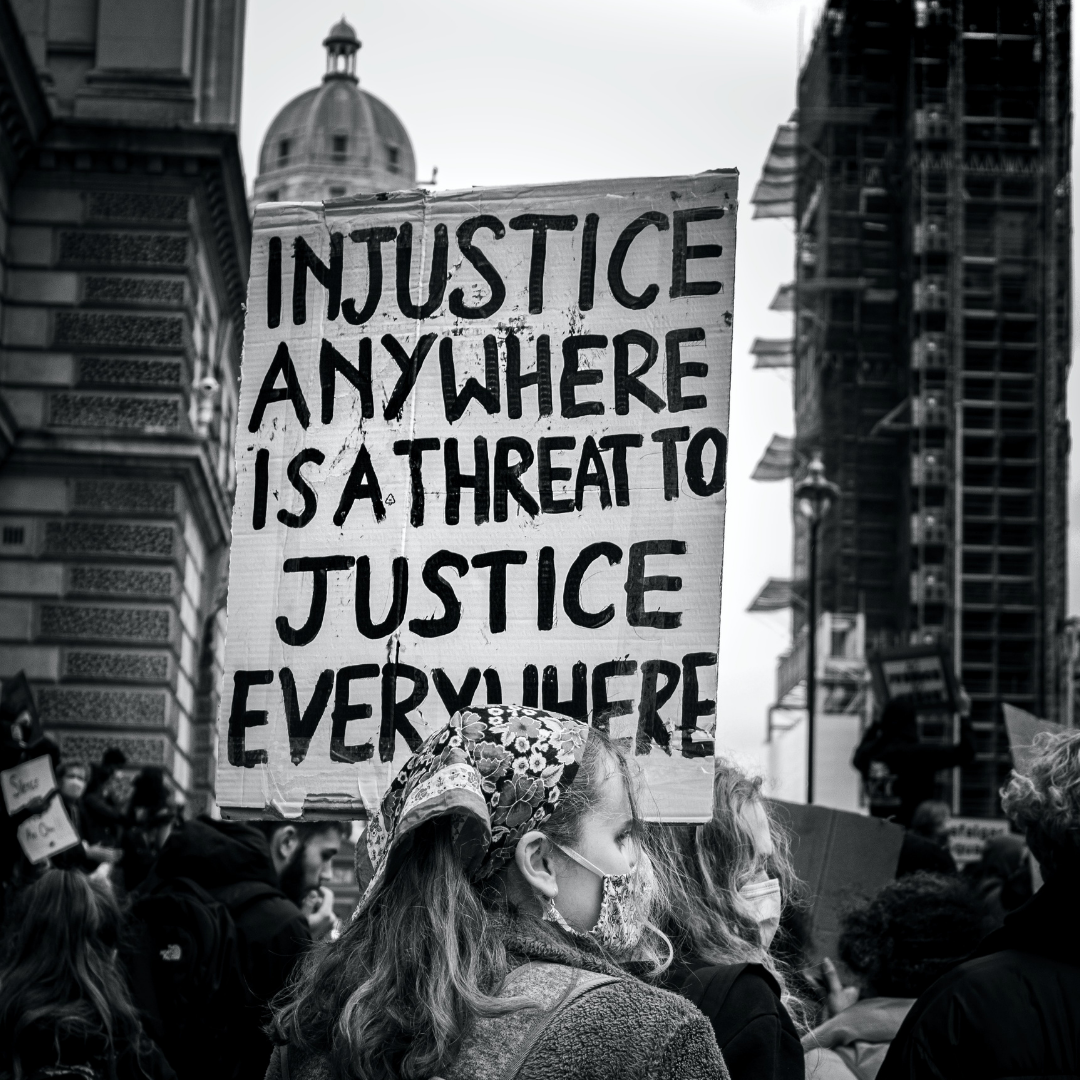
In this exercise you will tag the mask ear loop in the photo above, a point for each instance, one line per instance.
(579, 859)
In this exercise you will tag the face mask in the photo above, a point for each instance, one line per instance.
(763, 899)
(623, 909)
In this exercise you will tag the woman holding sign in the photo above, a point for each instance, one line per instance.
(508, 885)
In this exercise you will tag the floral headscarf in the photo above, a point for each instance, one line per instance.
(497, 770)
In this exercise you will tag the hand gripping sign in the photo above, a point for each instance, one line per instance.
(480, 456)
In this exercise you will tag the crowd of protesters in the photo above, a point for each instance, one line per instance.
(519, 919)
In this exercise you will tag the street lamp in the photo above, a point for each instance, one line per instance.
(814, 495)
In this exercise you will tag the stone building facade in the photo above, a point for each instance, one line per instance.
(124, 241)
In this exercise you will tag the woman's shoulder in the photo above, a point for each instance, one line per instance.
(626, 1028)
(301, 1065)
(749, 984)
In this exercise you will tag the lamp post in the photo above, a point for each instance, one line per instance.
(814, 495)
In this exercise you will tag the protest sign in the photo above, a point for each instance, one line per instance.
(48, 833)
(1022, 727)
(25, 783)
(458, 480)
(843, 858)
(968, 837)
(921, 674)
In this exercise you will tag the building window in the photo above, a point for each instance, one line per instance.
(340, 147)
(283, 148)
(393, 158)
(273, 196)
(14, 534)
(337, 192)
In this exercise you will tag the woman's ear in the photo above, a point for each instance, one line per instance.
(534, 861)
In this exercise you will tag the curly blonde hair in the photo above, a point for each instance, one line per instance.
(1045, 803)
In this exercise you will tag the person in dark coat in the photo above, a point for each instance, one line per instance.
(232, 862)
(103, 810)
(896, 945)
(726, 883)
(908, 768)
(151, 815)
(303, 853)
(1002, 874)
(1013, 1009)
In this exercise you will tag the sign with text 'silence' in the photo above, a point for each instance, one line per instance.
(480, 457)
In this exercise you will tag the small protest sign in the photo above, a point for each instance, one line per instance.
(920, 674)
(1022, 727)
(968, 836)
(843, 858)
(48, 833)
(26, 783)
(481, 455)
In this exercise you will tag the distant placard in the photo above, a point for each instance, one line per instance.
(920, 674)
(25, 783)
(47, 834)
(1023, 727)
(968, 836)
(481, 457)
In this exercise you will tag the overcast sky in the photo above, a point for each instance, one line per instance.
(499, 91)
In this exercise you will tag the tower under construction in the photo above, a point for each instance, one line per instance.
(932, 334)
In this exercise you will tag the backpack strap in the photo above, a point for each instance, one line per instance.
(580, 984)
(708, 987)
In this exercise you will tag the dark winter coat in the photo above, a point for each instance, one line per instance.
(914, 764)
(622, 1030)
(1013, 1010)
(231, 861)
(753, 1029)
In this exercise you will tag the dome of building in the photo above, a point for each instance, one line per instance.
(335, 139)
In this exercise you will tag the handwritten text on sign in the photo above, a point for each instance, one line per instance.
(481, 456)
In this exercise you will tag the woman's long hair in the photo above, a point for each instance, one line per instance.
(704, 868)
(392, 997)
(59, 977)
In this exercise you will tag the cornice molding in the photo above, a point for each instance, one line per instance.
(177, 457)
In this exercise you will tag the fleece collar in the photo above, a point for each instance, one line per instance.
(527, 938)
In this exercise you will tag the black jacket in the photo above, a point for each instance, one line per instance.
(914, 764)
(231, 861)
(753, 1029)
(1012, 1010)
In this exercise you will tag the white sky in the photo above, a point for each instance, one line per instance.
(499, 91)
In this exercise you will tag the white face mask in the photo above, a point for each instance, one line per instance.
(763, 900)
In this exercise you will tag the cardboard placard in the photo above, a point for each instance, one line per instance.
(844, 859)
(921, 674)
(23, 784)
(968, 836)
(47, 834)
(20, 725)
(481, 457)
(1022, 727)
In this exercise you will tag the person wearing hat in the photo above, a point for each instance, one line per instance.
(507, 886)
